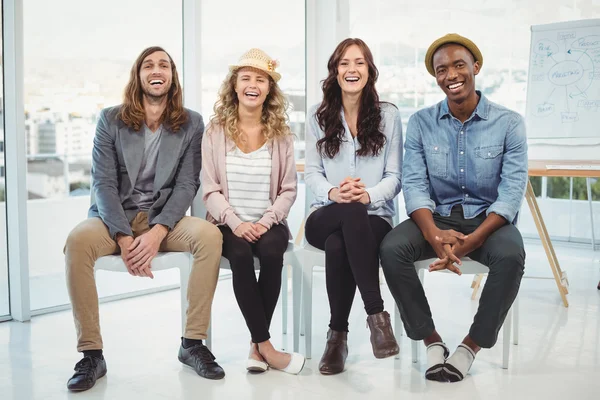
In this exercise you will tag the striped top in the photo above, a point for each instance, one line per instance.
(249, 182)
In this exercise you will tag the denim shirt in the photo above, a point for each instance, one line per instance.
(381, 174)
(480, 164)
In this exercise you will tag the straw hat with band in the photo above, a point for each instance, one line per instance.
(258, 59)
(451, 38)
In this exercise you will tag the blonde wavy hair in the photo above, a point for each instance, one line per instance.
(274, 113)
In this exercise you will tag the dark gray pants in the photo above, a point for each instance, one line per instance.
(503, 253)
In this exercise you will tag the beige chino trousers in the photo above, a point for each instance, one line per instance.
(91, 240)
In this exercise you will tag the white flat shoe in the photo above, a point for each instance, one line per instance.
(296, 364)
(253, 365)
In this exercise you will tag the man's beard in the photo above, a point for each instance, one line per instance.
(152, 98)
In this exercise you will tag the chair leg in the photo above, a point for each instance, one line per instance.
(415, 351)
(301, 317)
(209, 335)
(307, 282)
(284, 300)
(515, 311)
(397, 324)
(475, 285)
(184, 278)
(296, 299)
(414, 343)
(506, 339)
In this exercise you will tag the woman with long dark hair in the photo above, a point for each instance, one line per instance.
(353, 168)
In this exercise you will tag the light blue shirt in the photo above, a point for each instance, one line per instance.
(381, 174)
(480, 164)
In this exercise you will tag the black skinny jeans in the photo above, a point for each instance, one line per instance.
(351, 239)
(257, 299)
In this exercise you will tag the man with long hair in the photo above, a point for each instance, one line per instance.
(145, 169)
(465, 173)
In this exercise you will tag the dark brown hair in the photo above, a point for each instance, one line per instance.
(369, 133)
(132, 110)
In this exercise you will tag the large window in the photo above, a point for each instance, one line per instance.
(4, 304)
(72, 71)
(267, 25)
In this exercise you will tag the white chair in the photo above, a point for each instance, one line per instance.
(184, 261)
(289, 258)
(302, 281)
(303, 276)
(162, 261)
(470, 267)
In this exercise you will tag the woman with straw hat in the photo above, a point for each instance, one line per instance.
(249, 185)
(353, 161)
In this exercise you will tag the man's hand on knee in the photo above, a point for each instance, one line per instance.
(144, 248)
(124, 242)
(145, 270)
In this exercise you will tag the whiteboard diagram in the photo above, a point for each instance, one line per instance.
(563, 94)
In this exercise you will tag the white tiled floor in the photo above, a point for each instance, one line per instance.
(558, 355)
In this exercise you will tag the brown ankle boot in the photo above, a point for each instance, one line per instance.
(382, 337)
(336, 351)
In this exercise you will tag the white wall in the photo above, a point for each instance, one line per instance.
(564, 149)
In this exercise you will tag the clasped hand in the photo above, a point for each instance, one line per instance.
(351, 190)
(138, 253)
(249, 231)
(450, 246)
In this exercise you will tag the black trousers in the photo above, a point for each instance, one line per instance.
(257, 299)
(503, 253)
(351, 239)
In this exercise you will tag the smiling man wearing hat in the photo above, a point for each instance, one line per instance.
(464, 178)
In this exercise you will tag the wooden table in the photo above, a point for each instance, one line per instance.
(538, 168)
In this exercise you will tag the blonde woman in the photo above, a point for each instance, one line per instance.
(249, 184)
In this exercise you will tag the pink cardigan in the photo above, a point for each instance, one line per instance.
(284, 182)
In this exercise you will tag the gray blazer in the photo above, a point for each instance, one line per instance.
(116, 160)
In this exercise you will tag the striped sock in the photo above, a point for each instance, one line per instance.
(437, 353)
(459, 363)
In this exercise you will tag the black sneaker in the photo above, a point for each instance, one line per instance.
(87, 372)
(202, 360)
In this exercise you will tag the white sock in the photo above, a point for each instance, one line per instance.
(437, 353)
(459, 363)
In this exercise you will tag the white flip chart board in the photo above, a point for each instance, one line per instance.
(563, 90)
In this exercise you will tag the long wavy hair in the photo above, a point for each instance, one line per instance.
(368, 125)
(274, 112)
(132, 110)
